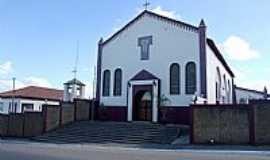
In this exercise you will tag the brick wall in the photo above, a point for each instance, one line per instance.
(16, 125)
(261, 121)
(51, 117)
(3, 124)
(30, 124)
(33, 124)
(82, 110)
(67, 113)
(175, 115)
(226, 124)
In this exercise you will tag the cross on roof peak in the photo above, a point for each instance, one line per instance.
(146, 4)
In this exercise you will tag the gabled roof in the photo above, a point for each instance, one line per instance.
(251, 90)
(214, 48)
(189, 26)
(179, 23)
(144, 75)
(75, 81)
(34, 92)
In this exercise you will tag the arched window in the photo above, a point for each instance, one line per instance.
(106, 83)
(229, 91)
(225, 83)
(191, 78)
(218, 85)
(175, 79)
(117, 88)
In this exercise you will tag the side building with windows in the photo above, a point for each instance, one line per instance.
(29, 99)
(244, 95)
(157, 63)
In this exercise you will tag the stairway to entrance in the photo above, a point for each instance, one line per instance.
(112, 132)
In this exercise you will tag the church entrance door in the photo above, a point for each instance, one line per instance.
(142, 103)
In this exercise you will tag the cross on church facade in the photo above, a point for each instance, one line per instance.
(144, 43)
(146, 4)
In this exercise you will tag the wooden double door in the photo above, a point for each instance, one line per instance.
(142, 102)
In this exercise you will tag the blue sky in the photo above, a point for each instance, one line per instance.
(38, 38)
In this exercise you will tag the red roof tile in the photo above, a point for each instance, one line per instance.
(34, 92)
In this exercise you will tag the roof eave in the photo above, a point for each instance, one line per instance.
(139, 16)
(216, 51)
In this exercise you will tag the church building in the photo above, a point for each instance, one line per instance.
(157, 65)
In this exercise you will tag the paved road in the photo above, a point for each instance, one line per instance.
(35, 151)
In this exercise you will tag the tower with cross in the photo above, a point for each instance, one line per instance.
(146, 4)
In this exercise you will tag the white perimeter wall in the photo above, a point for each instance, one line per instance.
(212, 77)
(171, 44)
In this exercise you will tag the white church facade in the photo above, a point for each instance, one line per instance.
(155, 62)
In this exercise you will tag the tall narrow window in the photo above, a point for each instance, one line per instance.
(117, 88)
(175, 79)
(106, 83)
(218, 85)
(191, 78)
(229, 91)
(225, 83)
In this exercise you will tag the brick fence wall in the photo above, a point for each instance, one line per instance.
(261, 122)
(3, 124)
(16, 125)
(51, 117)
(67, 113)
(82, 109)
(231, 124)
(31, 124)
(223, 124)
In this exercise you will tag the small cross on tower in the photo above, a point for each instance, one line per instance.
(146, 4)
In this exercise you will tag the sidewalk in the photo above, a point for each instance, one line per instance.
(154, 147)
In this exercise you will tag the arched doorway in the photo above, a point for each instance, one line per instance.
(142, 105)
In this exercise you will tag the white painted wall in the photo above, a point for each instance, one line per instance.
(37, 104)
(212, 64)
(247, 95)
(171, 44)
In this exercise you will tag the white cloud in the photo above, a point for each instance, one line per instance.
(6, 68)
(238, 49)
(6, 79)
(245, 77)
(7, 84)
(254, 84)
(37, 81)
(166, 13)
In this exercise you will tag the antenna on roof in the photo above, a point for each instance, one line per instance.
(76, 60)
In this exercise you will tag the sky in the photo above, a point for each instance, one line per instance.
(38, 38)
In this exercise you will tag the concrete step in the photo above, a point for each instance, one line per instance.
(111, 132)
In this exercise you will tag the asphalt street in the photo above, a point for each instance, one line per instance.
(36, 151)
